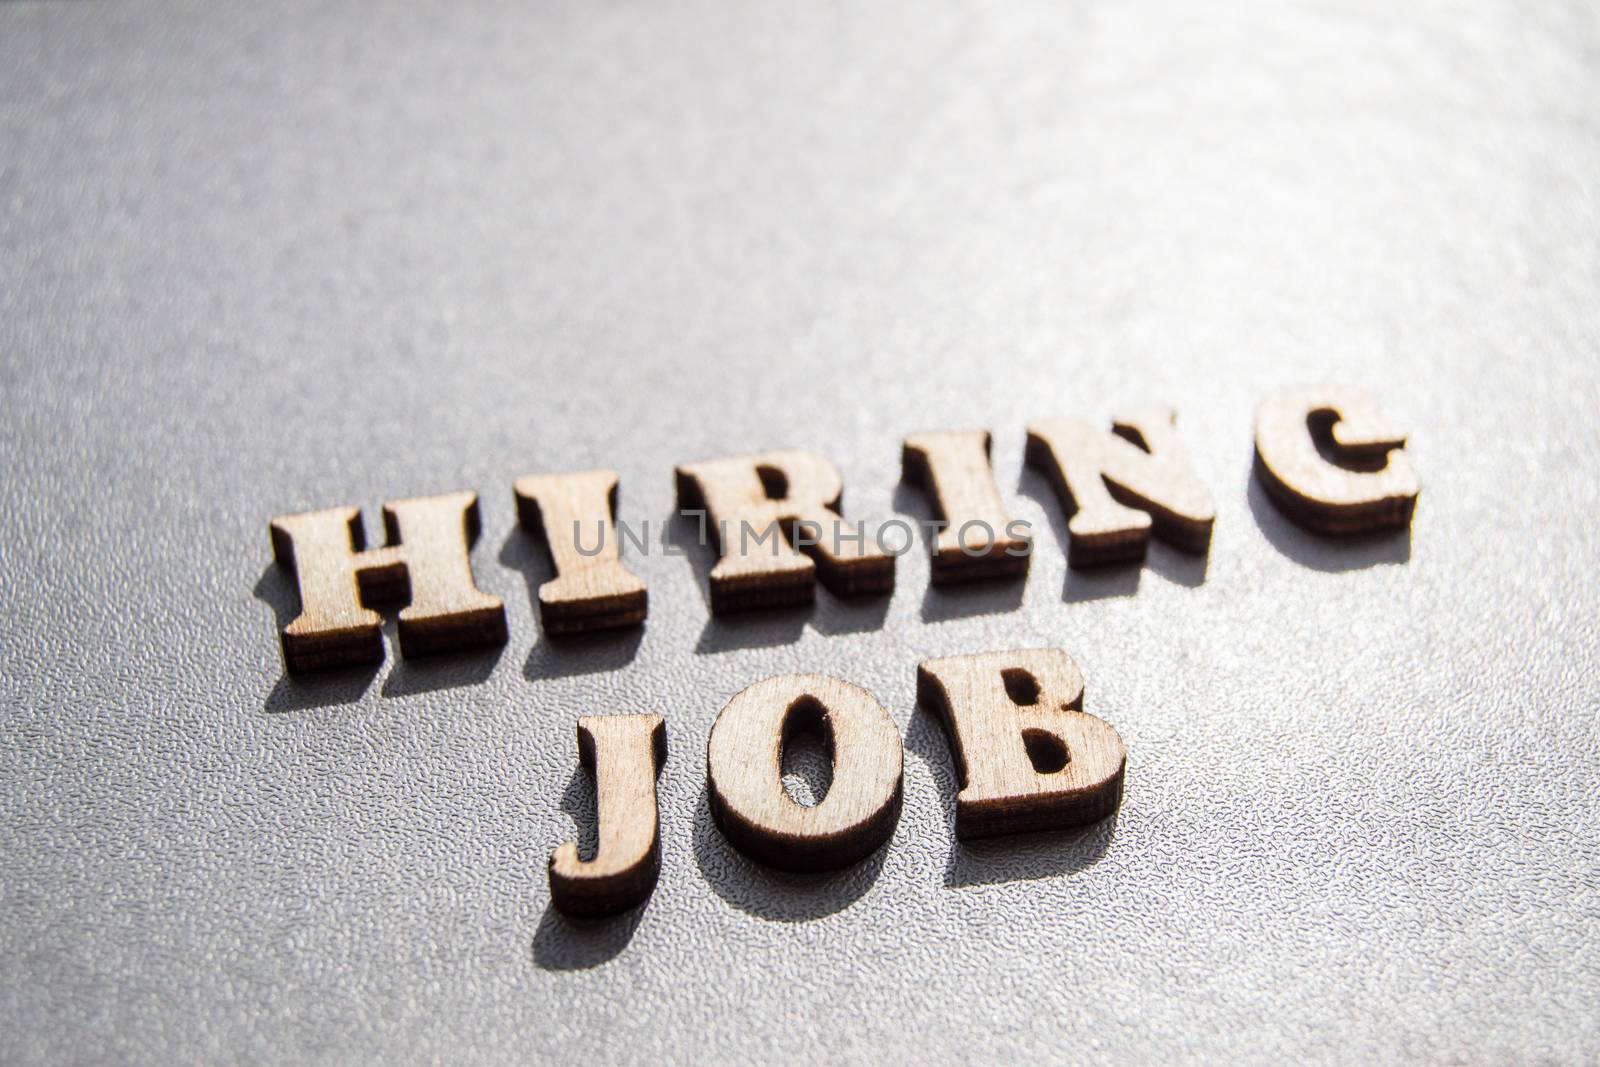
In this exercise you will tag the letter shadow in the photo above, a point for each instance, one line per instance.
(684, 536)
(1322, 553)
(568, 655)
(834, 615)
(752, 629)
(1177, 566)
(564, 657)
(1122, 579)
(326, 689)
(1013, 858)
(768, 627)
(994, 597)
(566, 944)
(912, 501)
(773, 894)
(579, 801)
(409, 677)
(1102, 583)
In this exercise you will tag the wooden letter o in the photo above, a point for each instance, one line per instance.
(744, 773)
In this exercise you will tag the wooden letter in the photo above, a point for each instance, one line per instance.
(977, 542)
(1028, 755)
(1368, 484)
(425, 561)
(1107, 476)
(744, 768)
(592, 590)
(624, 753)
(763, 509)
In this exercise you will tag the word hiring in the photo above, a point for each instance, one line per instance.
(1326, 456)
(1028, 756)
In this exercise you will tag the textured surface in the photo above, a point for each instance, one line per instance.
(255, 259)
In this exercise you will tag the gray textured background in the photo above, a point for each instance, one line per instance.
(256, 258)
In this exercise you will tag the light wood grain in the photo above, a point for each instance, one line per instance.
(425, 563)
(1119, 486)
(624, 753)
(768, 495)
(1028, 756)
(1369, 483)
(744, 767)
(953, 468)
(575, 515)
